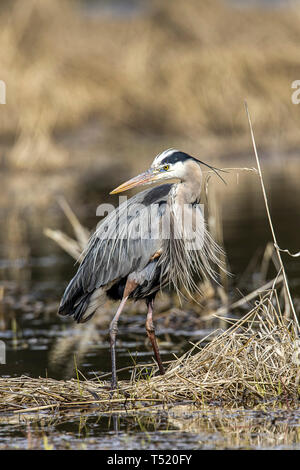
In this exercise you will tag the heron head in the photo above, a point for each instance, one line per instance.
(168, 165)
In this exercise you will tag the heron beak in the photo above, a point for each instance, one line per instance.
(144, 178)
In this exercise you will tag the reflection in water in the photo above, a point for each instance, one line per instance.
(179, 427)
(225, 429)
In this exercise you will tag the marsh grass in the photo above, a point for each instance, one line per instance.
(254, 362)
(180, 70)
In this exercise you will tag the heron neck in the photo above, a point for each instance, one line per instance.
(189, 189)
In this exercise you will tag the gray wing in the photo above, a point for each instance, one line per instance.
(123, 243)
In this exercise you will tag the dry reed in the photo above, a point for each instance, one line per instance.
(197, 59)
(253, 362)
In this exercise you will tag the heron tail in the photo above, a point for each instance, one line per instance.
(78, 304)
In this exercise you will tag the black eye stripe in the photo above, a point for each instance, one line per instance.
(176, 157)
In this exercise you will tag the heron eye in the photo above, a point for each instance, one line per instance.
(166, 167)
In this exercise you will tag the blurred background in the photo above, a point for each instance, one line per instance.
(94, 90)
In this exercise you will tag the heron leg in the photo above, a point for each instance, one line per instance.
(151, 335)
(113, 330)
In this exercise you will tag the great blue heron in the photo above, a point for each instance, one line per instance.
(155, 238)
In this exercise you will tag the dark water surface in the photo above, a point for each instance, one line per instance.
(34, 272)
(181, 427)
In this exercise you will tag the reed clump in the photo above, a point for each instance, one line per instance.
(254, 362)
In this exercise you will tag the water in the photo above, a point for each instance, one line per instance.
(34, 273)
(116, 9)
(129, 8)
(181, 427)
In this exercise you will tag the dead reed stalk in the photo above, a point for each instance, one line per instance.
(282, 268)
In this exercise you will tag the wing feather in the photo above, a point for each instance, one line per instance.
(123, 243)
